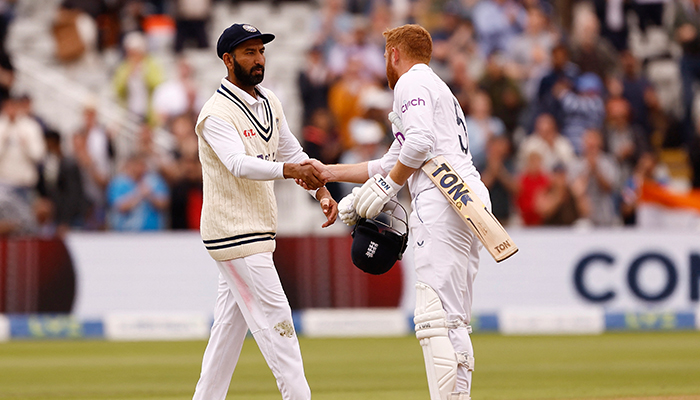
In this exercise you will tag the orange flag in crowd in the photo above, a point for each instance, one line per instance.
(654, 193)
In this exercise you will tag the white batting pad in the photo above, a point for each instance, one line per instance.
(439, 355)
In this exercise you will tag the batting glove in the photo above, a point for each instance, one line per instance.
(374, 194)
(346, 209)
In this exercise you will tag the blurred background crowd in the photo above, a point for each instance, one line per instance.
(571, 105)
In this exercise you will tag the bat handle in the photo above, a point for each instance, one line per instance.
(396, 120)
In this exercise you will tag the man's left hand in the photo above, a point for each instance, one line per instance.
(374, 194)
(329, 207)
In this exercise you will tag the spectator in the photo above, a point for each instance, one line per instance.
(137, 77)
(60, 182)
(557, 205)
(332, 24)
(191, 23)
(16, 215)
(498, 177)
(320, 137)
(177, 96)
(182, 129)
(636, 90)
(529, 53)
(647, 169)
(158, 158)
(22, 147)
(321, 142)
(377, 102)
(74, 32)
(649, 12)
(623, 139)
(590, 51)
(613, 18)
(455, 38)
(504, 92)
(132, 14)
(532, 181)
(108, 26)
(314, 83)
(460, 82)
(25, 107)
(7, 73)
(597, 174)
(546, 140)
(580, 111)
(344, 99)
(481, 126)
(137, 197)
(666, 129)
(187, 194)
(563, 70)
(358, 46)
(93, 150)
(497, 22)
(182, 172)
(685, 27)
(563, 13)
(368, 136)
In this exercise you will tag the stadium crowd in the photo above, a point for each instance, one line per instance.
(564, 122)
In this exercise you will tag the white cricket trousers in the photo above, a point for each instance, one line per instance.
(446, 257)
(251, 297)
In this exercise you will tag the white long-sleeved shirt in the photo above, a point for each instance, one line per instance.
(433, 122)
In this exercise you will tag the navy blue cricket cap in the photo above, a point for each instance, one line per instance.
(237, 34)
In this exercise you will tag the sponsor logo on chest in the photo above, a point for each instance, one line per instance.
(412, 103)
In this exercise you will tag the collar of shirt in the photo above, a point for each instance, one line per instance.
(402, 78)
(419, 67)
(255, 103)
(242, 94)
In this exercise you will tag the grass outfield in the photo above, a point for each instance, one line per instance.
(611, 366)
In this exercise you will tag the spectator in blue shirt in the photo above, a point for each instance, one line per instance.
(497, 22)
(138, 198)
(583, 110)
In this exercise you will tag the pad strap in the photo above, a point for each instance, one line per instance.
(466, 359)
(456, 323)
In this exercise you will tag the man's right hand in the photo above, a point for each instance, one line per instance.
(307, 174)
(322, 172)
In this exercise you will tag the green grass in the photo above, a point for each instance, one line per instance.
(611, 366)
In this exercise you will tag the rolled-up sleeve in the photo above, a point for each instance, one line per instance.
(416, 111)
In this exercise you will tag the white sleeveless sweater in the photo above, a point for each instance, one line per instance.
(239, 216)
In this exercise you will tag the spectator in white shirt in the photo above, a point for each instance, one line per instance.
(177, 96)
(21, 148)
(549, 143)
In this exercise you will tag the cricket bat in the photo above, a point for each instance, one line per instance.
(467, 204)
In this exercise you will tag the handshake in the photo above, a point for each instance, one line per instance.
(310, 174)
(364, 202)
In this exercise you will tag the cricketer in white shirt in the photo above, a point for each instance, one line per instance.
(446, 252)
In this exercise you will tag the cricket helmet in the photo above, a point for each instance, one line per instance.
(377, 245)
